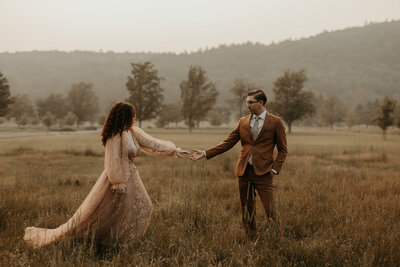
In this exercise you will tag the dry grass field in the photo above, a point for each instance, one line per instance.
(338, 199)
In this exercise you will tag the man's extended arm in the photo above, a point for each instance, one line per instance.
(225, 145)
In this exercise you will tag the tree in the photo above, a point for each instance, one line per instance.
(56, 104)
(83, 102)
(145, 91)
(385, 118)
(21, 109)
(397, 116)
(5, 98)
(333, 110)
(366, 112)
(350, 118)
(23, 119)
(291, 102)
(170, 113)
(239, 91)
(70, 119)
(219, 115)
(48, 119)
(101, 119)
(198, 96)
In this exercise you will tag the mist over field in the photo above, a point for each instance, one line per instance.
(358, 64)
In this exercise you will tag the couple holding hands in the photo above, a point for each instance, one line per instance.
(118, 208)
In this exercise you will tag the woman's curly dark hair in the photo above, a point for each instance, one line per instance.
(120, 118)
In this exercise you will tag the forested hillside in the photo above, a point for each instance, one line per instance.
(357, 64)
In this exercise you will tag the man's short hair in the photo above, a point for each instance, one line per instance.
(258, 95)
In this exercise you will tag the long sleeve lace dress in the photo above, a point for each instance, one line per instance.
(107, 215)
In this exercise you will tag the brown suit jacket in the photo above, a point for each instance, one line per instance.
(272, 133)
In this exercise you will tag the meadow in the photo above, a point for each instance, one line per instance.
(338, 199)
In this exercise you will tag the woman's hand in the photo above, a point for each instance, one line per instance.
(197, 154)
(180, 152)
(119, 188)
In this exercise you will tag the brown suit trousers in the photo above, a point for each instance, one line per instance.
(249, 183)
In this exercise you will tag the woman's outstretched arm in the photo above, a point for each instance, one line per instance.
(153, 145)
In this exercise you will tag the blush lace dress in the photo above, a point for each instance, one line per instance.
(107, 215)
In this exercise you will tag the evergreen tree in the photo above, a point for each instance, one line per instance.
(145, 91)
(5, 98)
(385, 117)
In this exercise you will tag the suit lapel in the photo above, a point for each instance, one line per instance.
(247, 126)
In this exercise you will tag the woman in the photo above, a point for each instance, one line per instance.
(118, 208)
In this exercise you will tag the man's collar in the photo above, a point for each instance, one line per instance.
(262, 115)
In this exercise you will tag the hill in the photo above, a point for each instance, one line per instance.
(358, 64)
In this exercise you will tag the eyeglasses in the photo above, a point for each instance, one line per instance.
(252, 102)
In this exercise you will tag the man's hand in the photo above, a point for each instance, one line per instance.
(180, 152)
(196, 155)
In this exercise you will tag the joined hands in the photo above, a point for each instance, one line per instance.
(195, 155)
(180, 152)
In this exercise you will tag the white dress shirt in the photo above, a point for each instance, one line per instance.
(260, 121)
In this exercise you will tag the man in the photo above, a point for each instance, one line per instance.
(258, 133)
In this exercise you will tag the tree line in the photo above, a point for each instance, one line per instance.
(78, 106)
(197, 103)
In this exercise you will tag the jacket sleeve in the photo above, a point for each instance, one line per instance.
(153, 146)
(112, 162)
(225, 145)
(281, 145)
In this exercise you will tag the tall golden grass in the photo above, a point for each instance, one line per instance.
(338, 199)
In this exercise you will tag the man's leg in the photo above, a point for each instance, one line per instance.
(247, 202)
(266, 190)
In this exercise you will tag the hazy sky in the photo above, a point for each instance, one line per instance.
(175, 25)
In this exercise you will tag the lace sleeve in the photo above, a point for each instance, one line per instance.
(153, 146)
(112, 162)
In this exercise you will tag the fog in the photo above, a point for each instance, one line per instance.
(176, 25)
